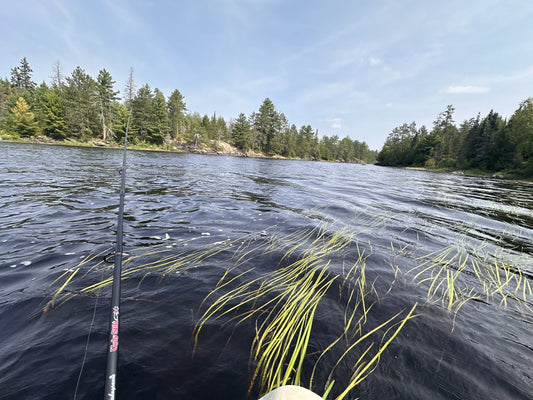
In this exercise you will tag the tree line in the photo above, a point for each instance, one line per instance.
(488, 143)
(80, 108)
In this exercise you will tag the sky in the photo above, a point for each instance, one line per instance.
(352, 68)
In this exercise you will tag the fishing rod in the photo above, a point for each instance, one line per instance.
(112, 353)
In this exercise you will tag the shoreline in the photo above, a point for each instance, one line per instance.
(229, 150)
(476, 173)
(169, 148)
(225, 149)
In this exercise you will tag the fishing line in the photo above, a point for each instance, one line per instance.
(88, 338)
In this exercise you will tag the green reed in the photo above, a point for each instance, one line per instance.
(158, 260)
(282, 304)
(461, 272)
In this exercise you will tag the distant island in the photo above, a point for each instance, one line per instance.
(79, 109)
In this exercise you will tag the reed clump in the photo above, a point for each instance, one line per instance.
(159, 260)
(461, 272)
(308, 268)
(281, 305)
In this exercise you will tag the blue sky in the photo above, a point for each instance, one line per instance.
(351, 68)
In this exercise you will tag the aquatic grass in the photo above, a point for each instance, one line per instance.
(62, 294)
(318, 241)
(355, 284)
(68, 276)
(362, 367)
(280, 345)
(167, 261)
(448, 275)
(312, 245)
(228, 300)
(281, 306)
(358, 302)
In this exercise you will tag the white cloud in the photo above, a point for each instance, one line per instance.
(335, 122)
(373, 61)
(468, 89)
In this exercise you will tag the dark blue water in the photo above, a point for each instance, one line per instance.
(58, 206)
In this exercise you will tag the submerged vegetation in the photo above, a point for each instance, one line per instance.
(81, 109)
(448, 274)
(284, 308)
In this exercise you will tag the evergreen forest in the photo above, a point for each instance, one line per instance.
(480, 144)
(79, 108)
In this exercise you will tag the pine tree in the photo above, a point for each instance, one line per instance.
(142, 123)
(161, 122)
(521, 136)
(255, 135)
(195, 132)
(120, 120)
(329, 148)
(293, 141)
(25, 75)
(346, 149)
(282, 140)
(266, 124)
(55, 124)
(24, 123)
(421, 147)
(106, 95)
(176, 112)
(82, 105)
(207, 127)
(305, 141)
(5, 93)
(221, 129)
(15, 77)
(445, 137)
(21, 76)
(398, 148)
(38, 106)
(241, 133)
(480, 140)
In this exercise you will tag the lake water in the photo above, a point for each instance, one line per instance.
(420, 233)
